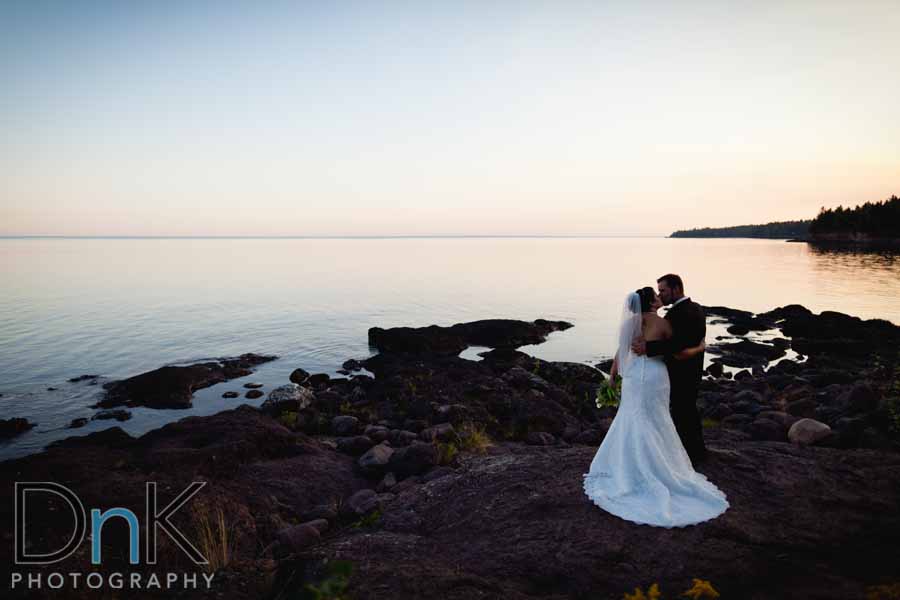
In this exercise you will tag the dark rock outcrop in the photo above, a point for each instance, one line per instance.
(494, 333)
(173, 387)
(12, 427)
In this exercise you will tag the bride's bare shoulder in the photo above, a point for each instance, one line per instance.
(655, 327)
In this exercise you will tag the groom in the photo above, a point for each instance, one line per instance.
(688, 329)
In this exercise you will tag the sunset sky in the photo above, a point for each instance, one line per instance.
(418, 118)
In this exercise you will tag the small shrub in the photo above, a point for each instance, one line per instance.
(288, 419)
(216, 538)
(446, 452)
(883, 592)
(652, 594)
(474, 438)
(700, 589)
(367, 520)
(333, 586)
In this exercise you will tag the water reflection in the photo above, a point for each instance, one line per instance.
(123, 306)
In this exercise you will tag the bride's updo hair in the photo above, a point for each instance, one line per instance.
(646, 294)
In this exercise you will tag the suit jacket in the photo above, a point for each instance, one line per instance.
(688, 328)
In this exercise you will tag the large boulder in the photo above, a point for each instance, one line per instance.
(806, 432)
(289, 397)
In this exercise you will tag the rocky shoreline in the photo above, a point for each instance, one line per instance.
(442, 477)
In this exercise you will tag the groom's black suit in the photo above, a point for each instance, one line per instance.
(688, 329)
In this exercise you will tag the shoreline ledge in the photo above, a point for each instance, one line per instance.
(442, 477)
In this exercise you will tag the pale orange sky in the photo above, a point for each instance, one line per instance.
(368, 119)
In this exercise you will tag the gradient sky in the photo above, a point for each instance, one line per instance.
(416, 118)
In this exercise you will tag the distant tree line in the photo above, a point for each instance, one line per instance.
(778, 230)
(875, 219)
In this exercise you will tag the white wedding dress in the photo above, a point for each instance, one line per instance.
(641, 472)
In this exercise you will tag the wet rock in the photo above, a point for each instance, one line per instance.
(252, 394)
(745, 353)
(715, 369)
(786, 366)
(352, 365)
(253, 386)
(605, 366)
(230, 394)
(299, 376)
(289, 397)
(434, 339)
(79, 422)
(81, 378)
(173, 387)
(12, 427)
(117, 414)
(318, 379)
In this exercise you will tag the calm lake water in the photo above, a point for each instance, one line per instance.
(118, 307)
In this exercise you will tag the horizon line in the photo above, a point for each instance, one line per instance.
(231, 237)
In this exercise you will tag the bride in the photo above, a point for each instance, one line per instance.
(641, 471)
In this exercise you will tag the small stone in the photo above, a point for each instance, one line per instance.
(254, 394)
(299, 376)
(376, 458)
(118, 414)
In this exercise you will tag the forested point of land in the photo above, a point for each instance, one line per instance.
(872, 221)
(779, 230)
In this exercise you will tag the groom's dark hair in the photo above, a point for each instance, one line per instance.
(672, 280)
